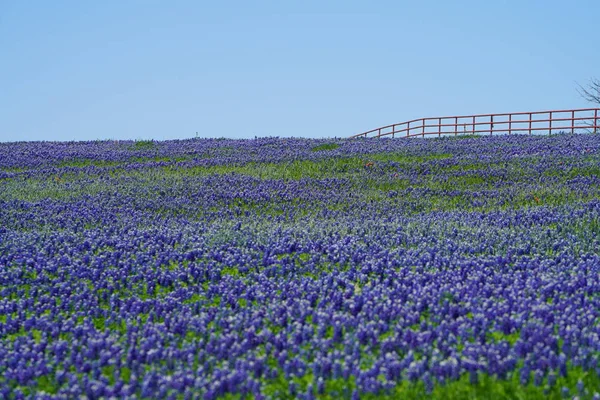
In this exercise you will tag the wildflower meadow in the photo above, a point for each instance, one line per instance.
(285, 268)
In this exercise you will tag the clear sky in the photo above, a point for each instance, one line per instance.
(144, 69)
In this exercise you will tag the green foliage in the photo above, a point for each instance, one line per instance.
(36, 335)
(460, 137)
(194, 299)
(125, 373)
(487, 388)
(405, 158)
(304, 257)
(231, 271)
(379, 177)
(86, 162)
(326, 146)
(510, 338)
(144, 145)
(109, 372)
(47, 384)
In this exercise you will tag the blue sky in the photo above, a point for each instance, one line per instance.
(133, 69)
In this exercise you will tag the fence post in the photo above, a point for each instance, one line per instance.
(423, 123)
(408, 129)
(393, 130)
(530, 118)
(455, 126)
(439, 127)
(379, 133)
(572, 122)
(596, 121)
(509, 124)
(473, 125)
(491, 125)
(550, 128)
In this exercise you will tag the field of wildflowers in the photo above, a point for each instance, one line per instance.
(295, 268)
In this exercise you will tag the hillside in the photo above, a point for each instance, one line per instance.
(297, 268)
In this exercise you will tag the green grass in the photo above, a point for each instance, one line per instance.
(405, 158)
(144, 145)
(291, 170)
(326, 146)
(499, 336)
(373, 177)
(487, 388)
(299, 169)
(86, 162)
(460, 137)
(14, 169)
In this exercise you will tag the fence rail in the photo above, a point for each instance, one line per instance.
(579, 120)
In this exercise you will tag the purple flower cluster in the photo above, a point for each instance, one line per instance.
(206, 267)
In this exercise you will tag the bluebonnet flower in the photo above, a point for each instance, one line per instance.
(151, 265)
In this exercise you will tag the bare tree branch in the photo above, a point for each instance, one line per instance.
(592, 92)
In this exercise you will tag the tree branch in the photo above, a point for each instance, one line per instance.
(592, 92)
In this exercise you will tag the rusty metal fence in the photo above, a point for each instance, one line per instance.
(579, 120)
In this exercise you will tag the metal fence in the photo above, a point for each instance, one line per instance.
(579, 120)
